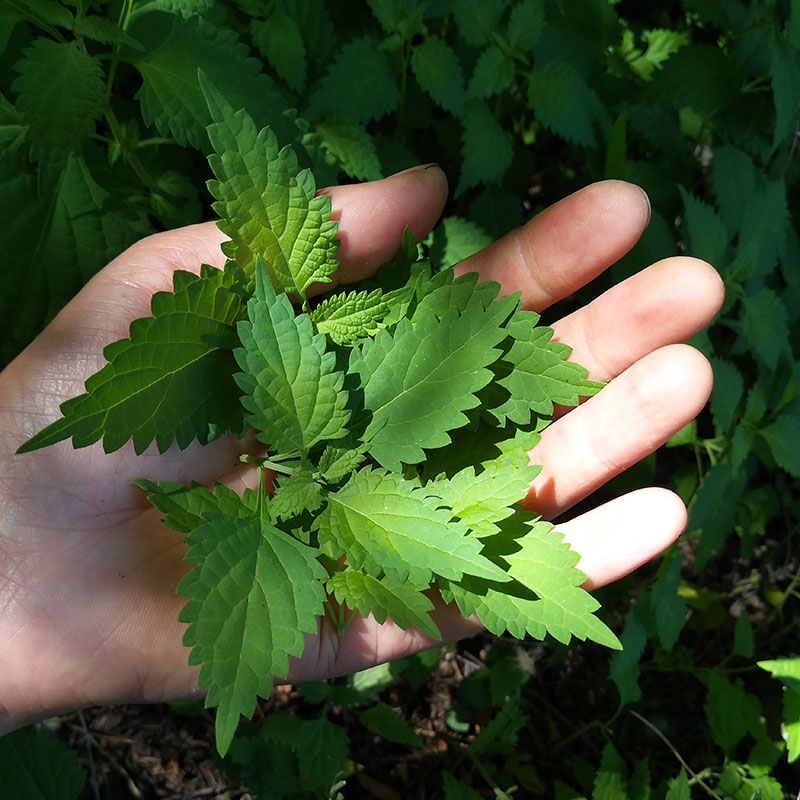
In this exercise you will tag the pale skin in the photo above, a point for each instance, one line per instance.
(88, 608)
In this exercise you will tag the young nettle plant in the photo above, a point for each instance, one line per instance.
(398, 416)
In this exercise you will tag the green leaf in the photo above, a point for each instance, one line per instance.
(727, 393)
(385, 597)
(610, 783)
(791, 723)
(54, 242)
(486, 149)
(348, 141)
(165, 383)
(294, 494)
(397, 372)
(708, 237)
(547, 88)
(624, 667)
(669, 608)
(184, 507)
(35, 765)
(545, 564)
(784, 69)
(478, 19)
(661, 44)
(61, 93)
(783, 438)
(293, 392)
(171, 97)
(267, 204)
(103, 30)
(183, 8)
(547, 597)
(438, 71)
(493, 73)
(731, 712)
(765, 327)
(385, 722)
(350, 317)
(499, 735)
(525, 25)
(454, 789)
(359, 82)
(733, 176)
(254, 592)
(387, 525)
(279, 40)
(455, 239)
(483, 500)
(535, 374)
(322, 753)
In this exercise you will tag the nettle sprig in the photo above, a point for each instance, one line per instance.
(398, 421)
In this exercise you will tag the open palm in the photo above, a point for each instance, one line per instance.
(88, 609)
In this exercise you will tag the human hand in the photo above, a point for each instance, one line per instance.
(88, 609)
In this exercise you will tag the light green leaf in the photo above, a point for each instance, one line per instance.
(279, 40)
(350, 143)
(786, 670)
(169, 381)
(360, 83)
(254, 592)
(438, 71)
(545, 564)
(293, 392)
(349, 317)
(387, 525)
(171, 97)
(791, 723)
(418, 382)
(547, 88)
(338, 460)
(385, 597)
(525, 25)
(36, 765)
(184, 507)
(486, 148)
(266, 203)
(61, 93)
(547, 597)
(535, 374)
(661, 44)
(294, 494)
(480, 501)
(385, 722)
(493, 73)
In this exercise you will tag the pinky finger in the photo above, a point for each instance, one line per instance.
(621, 535)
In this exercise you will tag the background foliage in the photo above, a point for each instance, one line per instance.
(102, 141)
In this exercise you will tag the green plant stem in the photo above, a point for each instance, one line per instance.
(695, 777)
(136, 164)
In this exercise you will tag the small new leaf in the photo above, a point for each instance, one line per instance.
(384, 597)
(348, 318)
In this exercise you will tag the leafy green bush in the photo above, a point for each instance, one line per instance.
(102, 128)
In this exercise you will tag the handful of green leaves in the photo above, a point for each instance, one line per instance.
(398, 416)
